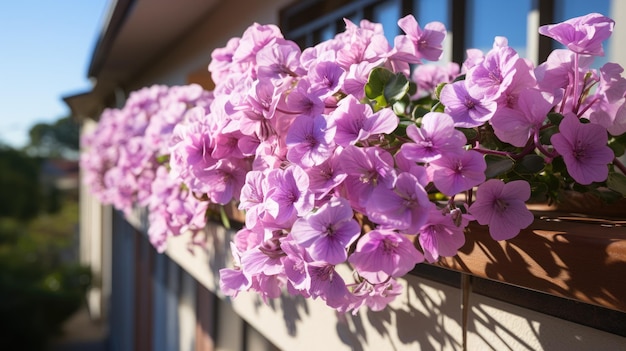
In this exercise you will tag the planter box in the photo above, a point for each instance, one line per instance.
(563, 253)
(567, 255)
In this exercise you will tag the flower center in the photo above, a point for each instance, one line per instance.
(389, 246)
(310, 140)
(326, 273)
(500, 205)
(579, 150)
(272, 249)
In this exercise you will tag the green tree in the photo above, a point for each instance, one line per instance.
(20, 191)
(58, 139)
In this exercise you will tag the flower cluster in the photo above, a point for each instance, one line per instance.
(354, 160)
(123, 158)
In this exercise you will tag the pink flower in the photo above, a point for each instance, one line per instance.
(428, 77)
(492, 75)
(455, 173)
(357, 122)
(366, 168)
(584, 150)
(502, 207)
(310, 141)
(404, 207)
(434, 138)
(328, 232)
(419, 43)
(328, 284)
(440, 236)
(466, 109)
(583, 35)
(516, 124)
(287, 195)
(381, 254)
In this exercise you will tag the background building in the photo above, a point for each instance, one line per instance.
(170, 301)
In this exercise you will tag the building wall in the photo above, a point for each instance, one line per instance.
(193, 52)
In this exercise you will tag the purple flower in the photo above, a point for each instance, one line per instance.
(326, 177)
(455, 173)
(419, 43)
(440, 236)
(279, 61)
(221, 60)
(381, 254)
(489, 78)
(252, 198)
(253, 40)
(516, 124)
(557, 72)
(357, 122)
(328, 284)
(502, 207)
(583, 35)
(310, 141)
(328, 232)
(356, 78)
(233, 280)
(264, 258)
(466, 110)
(428, 77)
(434, 138)
(404, 207)
(287, 194)
(295, 263)
(584, 149)
(365, 169)
(608, 103)
(301, 100)
(326, 78)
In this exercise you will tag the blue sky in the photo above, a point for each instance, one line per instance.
(45, 49)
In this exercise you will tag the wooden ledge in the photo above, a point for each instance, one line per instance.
(561, 254)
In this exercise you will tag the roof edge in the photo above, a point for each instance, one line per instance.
(118, 12)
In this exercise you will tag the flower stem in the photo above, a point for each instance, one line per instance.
(619, 165)
(542, 149)
(576, 99)
(587, 107)
(492, 152)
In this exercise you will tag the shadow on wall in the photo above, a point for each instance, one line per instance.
(425, 317)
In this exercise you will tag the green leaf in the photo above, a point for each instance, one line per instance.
(470, 133)
(438, 89)
(618, 144)
(419, 112)
(546, 134)
(375, 87)
(539, 191)
(617, 182)
(555, 118)
(497, 165)
(412, 88)
(396, 88)
(224, 218)
(385, 87)
(163, 159)
(530, 164)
